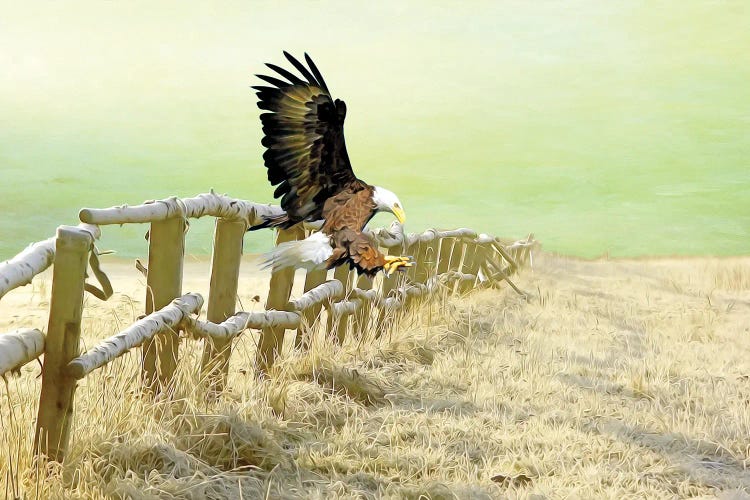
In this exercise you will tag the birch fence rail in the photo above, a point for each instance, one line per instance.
(454, 261)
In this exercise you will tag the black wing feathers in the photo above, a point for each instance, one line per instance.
(315, 71)
(301, 68)
(286, 74)
(272, 80)
(305, 152)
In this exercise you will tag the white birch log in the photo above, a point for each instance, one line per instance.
(429, 235)
(346, 307)
(392, 303)
(240, 322)
(452, 276)
(133, 336)
(274, 319)
(211, 203)
(231, 327)
(330, 290)
(425, 237)
(37, 257)
(368, 295)
(458, 233)
(19, 347)
(485, 239)
(391, 237)
(401, 293)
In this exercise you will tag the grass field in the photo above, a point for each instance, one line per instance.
(584, 122)
(616, 379)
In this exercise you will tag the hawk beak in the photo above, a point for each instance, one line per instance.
(400, 215)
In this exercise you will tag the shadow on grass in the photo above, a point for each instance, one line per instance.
(697, 461)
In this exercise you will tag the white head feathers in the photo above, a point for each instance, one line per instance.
(387, 201)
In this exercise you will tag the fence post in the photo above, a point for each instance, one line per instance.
(166, 252)
(426, 267)
(470, 266)
(222, 298)
(456, 258)
(422, 270)
(344, 275)
(386, 319)
(413, 250)
(272, 338)
(389, 283)
(62, 342)
(361, 321)
(444, 255)
(309, 315)
(481, 257)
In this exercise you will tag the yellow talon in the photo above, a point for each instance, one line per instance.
(396, 263)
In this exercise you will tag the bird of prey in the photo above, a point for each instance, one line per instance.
(306, 158)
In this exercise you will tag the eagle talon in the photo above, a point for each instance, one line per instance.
(397, 263)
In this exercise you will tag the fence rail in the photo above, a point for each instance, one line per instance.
(451, 261)
(37, 257)
(20, 347)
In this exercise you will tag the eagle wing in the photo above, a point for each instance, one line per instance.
(304, 138)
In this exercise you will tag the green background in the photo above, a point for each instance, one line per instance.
(602, 127)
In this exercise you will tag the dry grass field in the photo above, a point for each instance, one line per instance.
(616, 379)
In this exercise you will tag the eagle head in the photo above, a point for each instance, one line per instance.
(387, 201)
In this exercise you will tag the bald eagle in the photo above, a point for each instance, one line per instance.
(307, 161)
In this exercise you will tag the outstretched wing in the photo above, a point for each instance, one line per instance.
(304, 138)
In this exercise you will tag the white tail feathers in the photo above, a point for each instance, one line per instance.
(310, 253)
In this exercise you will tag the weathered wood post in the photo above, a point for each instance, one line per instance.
(512, 264)
(388, 287)
(421, 271)
(428, 255)
(390, 283)
(481, 255)
(456, 258)
(413, 250)
(361, 321)
(272, 338)
(444, 255)
(166, 252)
(472, 259)
(410, 276)
(222, 298)
(337, 326)
(62, 342)
(311, 314)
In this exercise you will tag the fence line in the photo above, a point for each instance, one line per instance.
(452, 261)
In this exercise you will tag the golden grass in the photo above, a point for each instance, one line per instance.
(617, 379)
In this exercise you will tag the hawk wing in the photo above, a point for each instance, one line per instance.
(304, 138)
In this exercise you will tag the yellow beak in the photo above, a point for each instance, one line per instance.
(399, 213)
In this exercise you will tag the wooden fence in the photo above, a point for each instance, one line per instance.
(455, 261)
